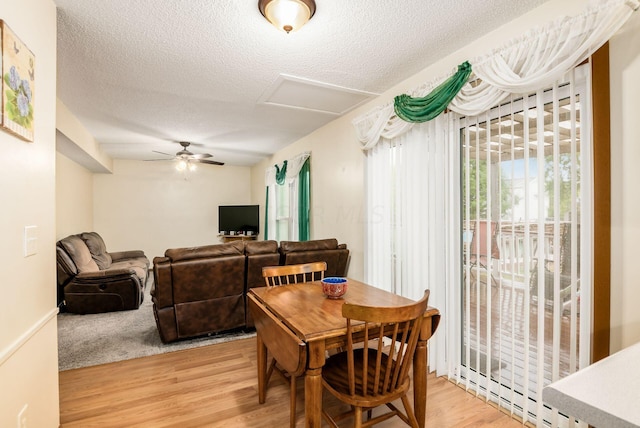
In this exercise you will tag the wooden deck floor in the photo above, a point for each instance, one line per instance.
(511, 318)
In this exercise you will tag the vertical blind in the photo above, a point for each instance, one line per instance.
(526, 204)
(411, 238)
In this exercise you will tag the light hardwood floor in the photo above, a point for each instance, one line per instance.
(216, 386)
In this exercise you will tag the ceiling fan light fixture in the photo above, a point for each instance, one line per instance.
(287, 15)
(181, 165)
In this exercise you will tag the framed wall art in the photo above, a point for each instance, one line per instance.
(18, 85)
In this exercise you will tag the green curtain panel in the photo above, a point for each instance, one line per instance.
(304, 200)
(266, 215)
(281, 174)
(423, 109)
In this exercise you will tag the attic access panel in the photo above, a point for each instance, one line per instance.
(296, 92)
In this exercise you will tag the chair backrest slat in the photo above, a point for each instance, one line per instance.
(350, 362)
(275, 276)
(385, 383)
(396, 371)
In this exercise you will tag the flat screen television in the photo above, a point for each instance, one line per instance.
(238, 218)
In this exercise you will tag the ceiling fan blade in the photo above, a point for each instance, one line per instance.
(200, 156)
(210, 162)
(162, 153)
(185, 155)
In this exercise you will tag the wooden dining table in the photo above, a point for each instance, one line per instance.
(302, 311)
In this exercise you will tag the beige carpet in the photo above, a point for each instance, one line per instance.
(88, 340)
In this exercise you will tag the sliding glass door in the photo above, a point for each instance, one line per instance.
(526, 218)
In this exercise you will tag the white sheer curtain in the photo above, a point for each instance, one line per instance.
(294, 166)
(382, 122)
(272, 208)
(541, 57)
(534, 61)
(413, 225)
(379, 224)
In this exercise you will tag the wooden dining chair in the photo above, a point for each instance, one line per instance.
(367, 377)
(293, 274)
(276, 276)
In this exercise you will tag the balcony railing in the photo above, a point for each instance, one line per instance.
(516, 249)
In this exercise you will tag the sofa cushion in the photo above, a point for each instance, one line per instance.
(98, 249)
(139, 268)
(260, 247)
(316, 245)
(327, 250)
(208, 251)
(79, 253)
(260, 254)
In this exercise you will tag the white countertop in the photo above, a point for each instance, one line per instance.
(605, 394)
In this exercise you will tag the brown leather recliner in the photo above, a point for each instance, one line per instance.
(92, 280)
(199, 291)
(320, 250)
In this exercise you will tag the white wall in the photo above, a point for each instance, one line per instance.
(624, 51)
(74, 197)
(28, 334)
(337, 163)
(149, 206)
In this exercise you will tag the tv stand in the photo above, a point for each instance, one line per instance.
(231, 238)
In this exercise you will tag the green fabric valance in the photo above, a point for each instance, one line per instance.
(281, 173)
(430, 106)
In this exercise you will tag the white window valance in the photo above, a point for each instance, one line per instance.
(535, 60)
(294, 166)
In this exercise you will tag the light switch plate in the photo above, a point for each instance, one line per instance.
(30, 240)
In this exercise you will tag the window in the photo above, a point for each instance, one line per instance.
(288, 200)
(284, 219)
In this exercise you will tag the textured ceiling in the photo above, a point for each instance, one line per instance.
(142, 75)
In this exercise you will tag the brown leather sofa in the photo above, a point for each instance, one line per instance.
(203, 290)
(92, 280)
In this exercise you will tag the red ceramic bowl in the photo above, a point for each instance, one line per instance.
(334, 287)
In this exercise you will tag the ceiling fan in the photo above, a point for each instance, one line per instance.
(185, 157)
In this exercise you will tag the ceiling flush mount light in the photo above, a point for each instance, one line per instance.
(287, 15)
